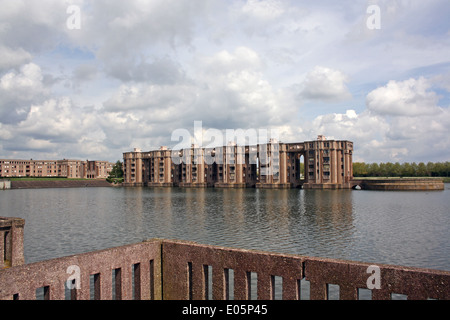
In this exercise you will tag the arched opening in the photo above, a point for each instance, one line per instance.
(302, 168)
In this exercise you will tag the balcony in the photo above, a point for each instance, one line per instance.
(179, 270)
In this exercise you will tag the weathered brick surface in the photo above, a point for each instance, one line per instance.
(22, 281)
(178, 255)
(177, 270)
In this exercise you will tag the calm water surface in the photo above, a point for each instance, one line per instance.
(406, 228)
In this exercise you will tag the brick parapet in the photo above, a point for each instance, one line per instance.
(172, 270)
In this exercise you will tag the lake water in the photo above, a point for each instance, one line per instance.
(404, 228)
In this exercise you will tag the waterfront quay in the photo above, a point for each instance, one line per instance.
(162, 269)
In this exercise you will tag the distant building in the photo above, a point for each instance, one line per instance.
(326, 164)
(55, 168)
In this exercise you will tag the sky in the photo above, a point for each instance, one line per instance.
(91, 79)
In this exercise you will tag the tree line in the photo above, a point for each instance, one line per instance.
(430, 169)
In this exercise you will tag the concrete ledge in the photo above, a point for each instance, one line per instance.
(133, 184)
(229, 185)
(160, 184)
(273, 185)
(326, 186)
(418, 184)
(193, 185)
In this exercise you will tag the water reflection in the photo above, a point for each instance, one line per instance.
(409, 228)
(328, 221)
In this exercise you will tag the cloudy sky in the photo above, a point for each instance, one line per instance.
(126, 74)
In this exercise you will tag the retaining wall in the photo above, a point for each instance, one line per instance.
(400, 184)
(36, 184)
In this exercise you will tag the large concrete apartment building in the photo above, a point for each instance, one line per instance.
(66, 168)
(326, 164)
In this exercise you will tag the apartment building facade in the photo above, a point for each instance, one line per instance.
(67, 168)
(326, 164)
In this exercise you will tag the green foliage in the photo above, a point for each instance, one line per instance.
(438, 169)
(117, 171)
(114, 180)
(116, 174)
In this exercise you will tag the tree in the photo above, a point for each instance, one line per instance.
(374, 170)
(359, 169)
(414, 169)
(407, 170)
(430, 168)
(389, 169)
(117, 171)
(438, 170)
(396, 169)
(446, 171)
(421, 170)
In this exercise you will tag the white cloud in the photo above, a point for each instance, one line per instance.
(28, 81)
(85, 72)
(54, 120)
(227, 91)
(152, 103)
(325, 84)
(146, 68)
(266, 9)
(30, 27)
(409, 98)
(126, 36)
(57, 126)
(243, 58)
(11, 58)
(232, 89)
(364, 126)
(403, 124)
(18, 90)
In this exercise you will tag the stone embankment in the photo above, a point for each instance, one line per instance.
(36, 184)
(400, 184)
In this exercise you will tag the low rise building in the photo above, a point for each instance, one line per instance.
(67, 168)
